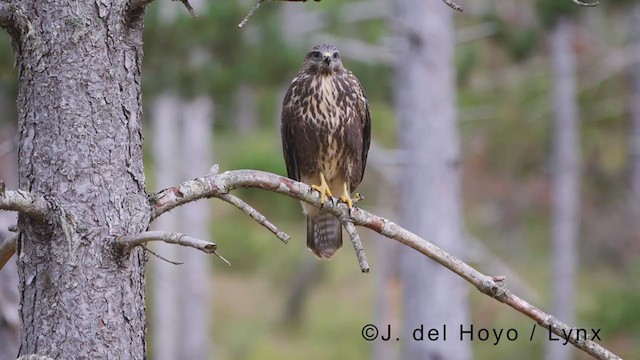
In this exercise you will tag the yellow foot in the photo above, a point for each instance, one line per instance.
(323, 188)
(346, 197)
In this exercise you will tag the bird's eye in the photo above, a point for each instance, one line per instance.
(316, 55)
(336, 55)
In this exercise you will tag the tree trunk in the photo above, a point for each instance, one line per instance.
(9, 296)
(430, 191)
(634, 114)
(565, 179)
(81, 148)
(246, 109)
(165, 282)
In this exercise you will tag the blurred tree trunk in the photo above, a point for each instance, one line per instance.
(634, 112)
(165, 284)
(565, 174)
(80, 146)
(9, 296)
(181, 294)
(195, 275)
(386, 257)
(430, 187)
(246, 109)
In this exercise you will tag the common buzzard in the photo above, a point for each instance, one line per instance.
(326, 131)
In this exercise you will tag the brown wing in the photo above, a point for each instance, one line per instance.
(364, 118)
(288, 119)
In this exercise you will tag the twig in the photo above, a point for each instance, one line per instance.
(23, 202)
(131, 241)
(250, 14)
(214, 185)
(255, 215)
(189, 8)
(586, 4)
(455, 6)
(7, 249)
(357, 244)
(160, 256)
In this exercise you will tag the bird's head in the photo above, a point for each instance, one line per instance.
(323, 59)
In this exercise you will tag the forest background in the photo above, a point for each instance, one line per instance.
(278, 301)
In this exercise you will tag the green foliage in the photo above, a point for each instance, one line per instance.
(8, 81)
(550, 10)
(519, 42)
(468, 59)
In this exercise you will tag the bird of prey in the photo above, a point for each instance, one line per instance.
(326, 131)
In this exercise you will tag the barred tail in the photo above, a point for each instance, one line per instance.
(324, 234)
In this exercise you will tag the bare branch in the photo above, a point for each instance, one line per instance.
(216, 184)
(455, 6)
(7, 249)
(24, 202)
(131, 241)
(586, 4)
(357, 244)
(255, 215)
(189, 8)
(161, 257)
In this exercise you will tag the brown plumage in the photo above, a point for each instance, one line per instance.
(326, 131)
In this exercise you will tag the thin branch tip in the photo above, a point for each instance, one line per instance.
(357, 244)
(255, 215)
(189, 8)
(455, 6)
(581, 3)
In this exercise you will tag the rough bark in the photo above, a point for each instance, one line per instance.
(430, 193)
(81, 148)
(565, 179)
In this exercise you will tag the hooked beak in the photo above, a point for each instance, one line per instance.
(327, 58)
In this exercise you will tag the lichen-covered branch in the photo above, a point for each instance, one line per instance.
(453, 5)
(130, 241)
(216, 184)
(357, 244)
(587, 4)
(23, 202)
